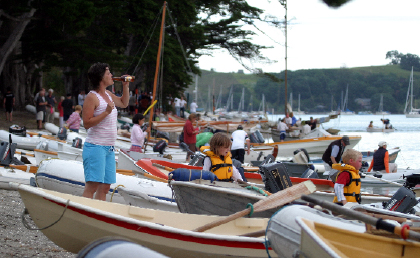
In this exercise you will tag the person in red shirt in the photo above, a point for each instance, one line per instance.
(190, 133)
(380, 161)
(347, 181)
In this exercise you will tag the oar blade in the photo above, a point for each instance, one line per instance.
(275, 200)
(285, 196)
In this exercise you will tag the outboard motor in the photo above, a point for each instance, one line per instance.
(275, 177)
(309, 173)
(197, 159)
(62, 133)
(160, 146)
(77, 143)
(7, 152)
(305, 152)
(125, 127)
(18, 130)
(404, 199)
(411, 181)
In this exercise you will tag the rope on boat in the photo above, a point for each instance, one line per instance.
(249, 205)
(115, 188)
(26, 223)
(257, 189)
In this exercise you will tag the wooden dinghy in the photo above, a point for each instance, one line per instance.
(68, 177)
(319, 240)
(284, 233)
(85, 220)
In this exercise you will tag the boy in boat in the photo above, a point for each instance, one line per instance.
(347, 179)
(218, 158)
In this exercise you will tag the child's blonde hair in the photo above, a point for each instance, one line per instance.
(351, 154)
(78, 108)
(219, 140)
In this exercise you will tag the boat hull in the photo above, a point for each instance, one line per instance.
(320, 240)
(312, 146)
(86, 220)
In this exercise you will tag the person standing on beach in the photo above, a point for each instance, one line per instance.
(9, 103)
(50, 106)
(68, 106)
(40, 108)
(239, 137)
(100, 119)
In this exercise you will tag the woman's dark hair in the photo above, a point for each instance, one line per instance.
(96, 73)
(137, 118)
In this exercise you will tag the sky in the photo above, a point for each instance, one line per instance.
(357, 34)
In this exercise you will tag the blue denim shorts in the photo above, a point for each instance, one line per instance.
(99, 163)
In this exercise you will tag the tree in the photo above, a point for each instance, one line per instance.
(73, 34)
(394, 56)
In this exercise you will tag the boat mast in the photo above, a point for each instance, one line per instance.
(162, 29)
(299, 103)
(284, 3)
(411, 82)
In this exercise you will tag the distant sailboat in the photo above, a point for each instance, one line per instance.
(345, 110)
(381, 107)
(413, 112)
(299, 112)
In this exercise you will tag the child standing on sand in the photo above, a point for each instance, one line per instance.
(73, 123)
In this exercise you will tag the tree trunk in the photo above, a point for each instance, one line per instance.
(14, 37)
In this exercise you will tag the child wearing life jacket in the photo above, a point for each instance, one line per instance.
(219, 159)
(347, 181)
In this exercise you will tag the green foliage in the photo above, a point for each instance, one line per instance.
(317, 87)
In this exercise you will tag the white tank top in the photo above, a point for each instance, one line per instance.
(104, 133)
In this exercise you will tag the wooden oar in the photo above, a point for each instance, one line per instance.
(379, 223)
(380, 179)
(275, 200)
(27, 168)
(163, 167)
(24, 153)
(133, 172)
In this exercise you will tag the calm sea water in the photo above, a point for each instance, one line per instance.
(406, 136)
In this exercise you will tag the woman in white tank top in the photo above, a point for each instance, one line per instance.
(99, 118)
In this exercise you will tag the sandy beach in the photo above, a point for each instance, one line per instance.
(18, 241)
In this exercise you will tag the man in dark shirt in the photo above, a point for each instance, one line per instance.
(67, 107)
(9, 102)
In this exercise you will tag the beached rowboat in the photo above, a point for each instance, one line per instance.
(319, 240)
(169, 233)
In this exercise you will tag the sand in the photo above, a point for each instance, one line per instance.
(18, 241)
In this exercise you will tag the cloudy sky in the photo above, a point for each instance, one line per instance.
(359, 33)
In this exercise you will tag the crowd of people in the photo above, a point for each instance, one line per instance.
(98, 111)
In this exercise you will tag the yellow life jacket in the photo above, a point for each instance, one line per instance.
(351, 190)
(221, 168)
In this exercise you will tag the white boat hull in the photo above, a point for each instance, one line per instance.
(68, 177)
(8, 175)
(26, 143)
(312, 146)
(377, 129)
